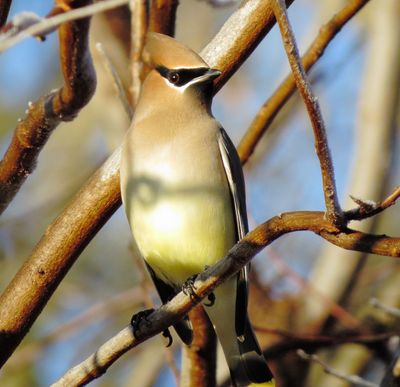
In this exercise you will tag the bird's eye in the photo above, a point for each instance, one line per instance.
(173, 77)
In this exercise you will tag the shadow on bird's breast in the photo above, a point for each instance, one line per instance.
(148, 190)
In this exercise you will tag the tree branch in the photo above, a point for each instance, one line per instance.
(43, 116)
(205, 283)
(292, 341)
(352, 379)
(199, 359)
(69, 234)
(333, 210)
(274, 104)
(162, 16)
(47, 25)
(139, 19)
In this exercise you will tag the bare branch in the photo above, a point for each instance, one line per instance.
(69, 234)
(138, 33)
(334, 212)
(162, 16)
(353, 379)
(117, 80)
(369, 208)
(30, 289)
(205, 283)
(44, 115)
(199, 359)
(395, 312)
(238, 38)
(45, 26)
(292, 341)
(274, 104)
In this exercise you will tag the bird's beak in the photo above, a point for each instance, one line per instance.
(208, 76)
(212, 74)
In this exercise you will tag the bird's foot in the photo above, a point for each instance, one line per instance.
(167, 334)
(211, 299)
(137, 318)
(189, 289)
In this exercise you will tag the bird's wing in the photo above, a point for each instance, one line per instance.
(234, 174)
(166, 292)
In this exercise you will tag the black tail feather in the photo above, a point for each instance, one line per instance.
(252, 367)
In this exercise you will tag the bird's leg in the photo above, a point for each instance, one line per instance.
(137, 318)
(188, 287)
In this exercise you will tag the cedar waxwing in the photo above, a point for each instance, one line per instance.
(183, 190)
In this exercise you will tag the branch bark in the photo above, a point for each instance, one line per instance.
(48, 112)
(199, 359)
(205, 283)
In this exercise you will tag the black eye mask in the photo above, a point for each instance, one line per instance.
(180, 77)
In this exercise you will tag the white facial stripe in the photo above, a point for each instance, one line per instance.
(181, 89)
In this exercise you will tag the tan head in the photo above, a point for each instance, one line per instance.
(176, 72)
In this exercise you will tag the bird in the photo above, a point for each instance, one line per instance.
(183, 191)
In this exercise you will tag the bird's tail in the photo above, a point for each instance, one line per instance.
(243, 355)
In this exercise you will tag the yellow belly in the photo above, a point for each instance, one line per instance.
(180, 231)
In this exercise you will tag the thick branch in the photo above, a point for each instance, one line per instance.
(238, 38)
(334, 212)
(162, 16)
(205, 283)
(274, 104)
(75, 227)
(199, 359)
(48, 112)
(29, 291)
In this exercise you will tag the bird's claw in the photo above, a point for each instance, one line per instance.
(137, 318)
(189, 289)
(211, 299)
(167, 334)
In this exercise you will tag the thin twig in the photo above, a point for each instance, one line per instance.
(334, 212)
(368, 208)
(290, 341)
(138, 33)
(117, 80)
(46, 25)
(44, 115)
(337, 311)
(123, 301)
(395, 312)
(353, 379)
(274, 104)
(205, 283)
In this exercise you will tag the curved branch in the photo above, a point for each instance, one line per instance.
(274, 104)
(205, 283)
(44, 115)
(69, 234)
